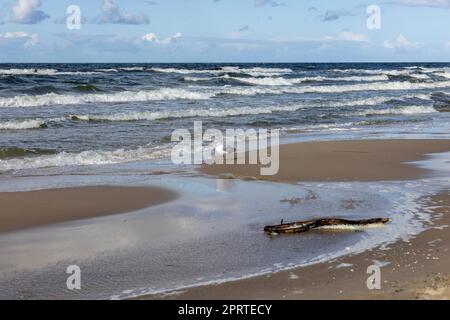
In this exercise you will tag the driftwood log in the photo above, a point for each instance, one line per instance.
(325, 223)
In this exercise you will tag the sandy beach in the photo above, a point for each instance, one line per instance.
(417, 269)
(413, 269)
(21, 210)
(367, 160)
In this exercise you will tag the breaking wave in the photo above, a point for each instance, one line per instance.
(403, 110)
(22, 124)
(278, 81)
(157, 115)
(255, 72)
(373, 86)
(43, 72)
(82, 158)
(125, 96)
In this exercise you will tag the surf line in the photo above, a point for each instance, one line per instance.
(223, 148)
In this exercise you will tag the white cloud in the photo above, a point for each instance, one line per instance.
(426, 3)
(271, 3)
(344, 35)
(27, 11)
(151, 37)
(28, 39)
(111, 13)
(347, 36)
(401, 43)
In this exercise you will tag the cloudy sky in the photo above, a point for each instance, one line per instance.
(224, 31)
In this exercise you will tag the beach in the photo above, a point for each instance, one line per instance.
(342, 161)
(416, 268)
(87, 179)
(413, 269)
(29, 209)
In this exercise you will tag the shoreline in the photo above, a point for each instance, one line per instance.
(28, 209)
(417, 269)
(346, 160)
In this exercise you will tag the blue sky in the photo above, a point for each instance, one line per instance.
(224, 31)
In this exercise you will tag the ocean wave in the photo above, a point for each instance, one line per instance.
(125, 96)
(402, 110)
(373, 86)
(43, 72)
(393, 72)
(377, 100)
(22, 124)
(444, 74)
(279, 81)
(276, 81)
(83, 158)
(157, 115)
(254, 72)
(26, 124)
(13, 152)
(228, 112)
(131, 69)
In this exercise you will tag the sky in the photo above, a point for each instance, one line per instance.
(224, 31)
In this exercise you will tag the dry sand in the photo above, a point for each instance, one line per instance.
(419, 269)
(362, 160)
(28, 209)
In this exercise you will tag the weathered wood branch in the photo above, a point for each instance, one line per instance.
(329, 223)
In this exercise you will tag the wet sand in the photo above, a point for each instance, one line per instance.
(362, 160)
(21, 210)
(418, 269)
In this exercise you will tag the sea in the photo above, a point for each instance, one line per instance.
(63, 116)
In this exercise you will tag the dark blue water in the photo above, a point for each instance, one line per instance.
(58, 115)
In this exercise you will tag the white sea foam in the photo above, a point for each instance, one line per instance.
(27, 123)
(22, 124)
(43, 72)
(216, 112)
(376, 71)
(373, 86)
(212, 112)
(419, 76)
(125, 96)
(373, 101)
(444, 74)
(120, 69)
(83, 158)
(255, 72)
(400, 110)
(277, 81)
